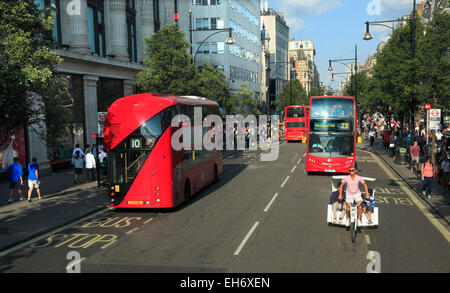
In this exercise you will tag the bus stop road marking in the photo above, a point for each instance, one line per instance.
(429, 215)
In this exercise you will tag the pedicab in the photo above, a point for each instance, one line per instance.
(336, 220)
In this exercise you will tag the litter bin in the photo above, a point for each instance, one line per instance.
(402, 157)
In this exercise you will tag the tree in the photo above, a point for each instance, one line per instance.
(29, 87)
(246, 101)
(396, 71)
(211, 83)
(169, 67)
(434, 63)
(292, 93)
(316, 91)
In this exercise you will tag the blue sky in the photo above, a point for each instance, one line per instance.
(336, 26)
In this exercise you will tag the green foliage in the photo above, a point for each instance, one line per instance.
(212, 84)
(433, 56)
(170, 70)
(27, 68)
(403, 83)
(246, 102)
(292, 93)
(316, 91)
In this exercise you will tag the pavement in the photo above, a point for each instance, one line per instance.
(440, 196)
(64, 203)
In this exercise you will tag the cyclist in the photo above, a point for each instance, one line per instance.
(353, 193)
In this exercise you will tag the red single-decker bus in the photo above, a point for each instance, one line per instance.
(145, 171)
(332, 129)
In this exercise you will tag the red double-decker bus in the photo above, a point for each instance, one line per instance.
(295, 123)
(331, 134)
(145, 171)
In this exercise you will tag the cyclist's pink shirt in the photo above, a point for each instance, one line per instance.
(352, 185)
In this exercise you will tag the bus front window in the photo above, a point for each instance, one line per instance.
(331, 145)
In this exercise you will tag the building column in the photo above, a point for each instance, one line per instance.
(90, 107)
(128, 87)
(76, 20)
(118, 30)
(146, 26)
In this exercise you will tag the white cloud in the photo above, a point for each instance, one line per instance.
(296, 24)
(296, 11)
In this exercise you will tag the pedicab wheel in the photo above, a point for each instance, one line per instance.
(353, 230)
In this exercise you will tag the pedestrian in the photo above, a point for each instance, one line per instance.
(103, 160)
(414, 152)
(33, 179)
(14, 172)
(427, 177)
(90, 166)
(445, 167)
(77, 162)
(77, 148)
(372, 136)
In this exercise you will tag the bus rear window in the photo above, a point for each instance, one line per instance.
(298, 112)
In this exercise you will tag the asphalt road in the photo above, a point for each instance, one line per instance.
(261, 217)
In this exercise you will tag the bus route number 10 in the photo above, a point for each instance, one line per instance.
(136, 143)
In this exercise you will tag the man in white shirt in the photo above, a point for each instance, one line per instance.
(90, 166)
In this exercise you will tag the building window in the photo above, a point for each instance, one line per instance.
(96, 20)
(51, 8)
(131, 29)
(202, 23)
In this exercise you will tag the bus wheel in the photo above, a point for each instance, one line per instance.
(216, 174)
(187, 192)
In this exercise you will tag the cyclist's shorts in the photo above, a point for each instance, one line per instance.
(350, 198)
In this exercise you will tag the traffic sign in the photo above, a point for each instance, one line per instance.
(434, 119)
(427, 106)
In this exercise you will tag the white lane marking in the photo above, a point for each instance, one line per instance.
(304, 155)
(299, 161)
(285, 180)
(270, 203)
(293, 169)
(246, 238)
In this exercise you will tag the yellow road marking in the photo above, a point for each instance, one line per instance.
(71, 265)
(148, 221)
(429, 215)
(132, 230)
(368, 239)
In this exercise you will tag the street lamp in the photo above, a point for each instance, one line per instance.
(330, 68)
(228, 41)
